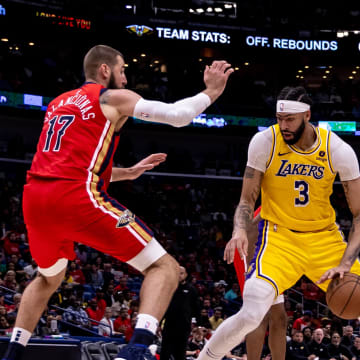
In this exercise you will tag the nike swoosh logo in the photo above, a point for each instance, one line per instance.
(281, 154)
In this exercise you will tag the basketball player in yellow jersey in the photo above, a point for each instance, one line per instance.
(294, 165)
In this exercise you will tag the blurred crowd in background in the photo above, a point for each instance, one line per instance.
(193, 221)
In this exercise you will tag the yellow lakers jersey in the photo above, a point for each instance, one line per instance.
(296, 187)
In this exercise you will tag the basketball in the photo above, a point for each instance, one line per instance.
(343, 296)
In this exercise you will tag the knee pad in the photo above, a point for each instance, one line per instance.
(258, 298)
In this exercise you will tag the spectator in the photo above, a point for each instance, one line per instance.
(348, 336)
(299, 311)
(130, 330)
(307, 334)
(108, 328)
(50, 327)
(233, 293)
(296, 348)
(207, 306)
(312, 294)
(15, 306)
(69, 279)
(75, 314)
(196, 343)
(338, 351)
(3, 311)
(219, 288)
(4, 325)
(182, 308)
(11, 243)
(31, 269)
(101, 303)
(317, 347)
(203, 320)
(122, 284)
(303, 321)
(127, 298)
(327, 334)
(216, 319)
(134, 307)
(97, 280)
(108, 275)
(355, 349)
(76, 273)
(122, 323)
(81, 253)
(109, 295)
(94, 312)
(288, 308)
(117, 305)
(9, 279)
(23, 282)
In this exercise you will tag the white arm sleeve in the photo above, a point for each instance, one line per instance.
(259, 150)
(343, 158)
(177, 114)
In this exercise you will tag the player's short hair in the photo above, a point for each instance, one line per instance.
(97, 55)
(295, 94)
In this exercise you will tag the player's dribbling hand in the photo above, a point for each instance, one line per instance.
(331, 273)
(238, 241)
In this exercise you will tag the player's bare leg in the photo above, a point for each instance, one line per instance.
(35, 298)
(277, 331)
(255, 340)
(160, 282)
(33, 303)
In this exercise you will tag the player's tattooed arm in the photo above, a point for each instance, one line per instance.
(351, 189)
(104, 97)
(250, 192)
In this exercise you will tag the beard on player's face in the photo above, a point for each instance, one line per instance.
(112, 82)
(296, 135)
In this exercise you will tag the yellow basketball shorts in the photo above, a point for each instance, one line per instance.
(282, 256)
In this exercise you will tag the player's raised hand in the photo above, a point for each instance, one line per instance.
(238, 241)
(216, 77)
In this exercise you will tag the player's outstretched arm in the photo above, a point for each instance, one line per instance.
(244, 213)
(352, 191)
(122, 102)
(139, 168)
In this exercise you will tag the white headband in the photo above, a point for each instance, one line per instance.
(289, 106)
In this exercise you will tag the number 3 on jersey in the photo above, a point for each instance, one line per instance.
(65, 121)
(303, 188)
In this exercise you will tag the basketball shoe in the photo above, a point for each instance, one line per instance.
(135, 352)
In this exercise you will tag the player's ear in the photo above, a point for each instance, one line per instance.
(104, 70)
(307, 115)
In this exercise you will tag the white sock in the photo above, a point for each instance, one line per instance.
(20, 336)
(258, 297)
(147, 322)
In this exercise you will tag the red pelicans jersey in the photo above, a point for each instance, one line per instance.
(77, 142)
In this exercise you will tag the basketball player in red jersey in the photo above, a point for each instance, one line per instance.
(275, 320)
(65, 198)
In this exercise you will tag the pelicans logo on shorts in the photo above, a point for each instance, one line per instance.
(125, 219)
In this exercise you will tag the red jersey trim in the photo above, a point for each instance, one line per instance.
(93, 181)
(108, 208)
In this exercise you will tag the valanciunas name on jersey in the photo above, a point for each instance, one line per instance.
(79, 100)
(287, 168)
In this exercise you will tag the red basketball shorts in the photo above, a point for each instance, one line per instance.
(58, 213)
